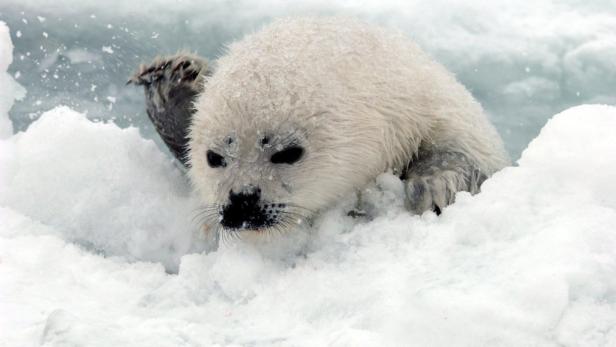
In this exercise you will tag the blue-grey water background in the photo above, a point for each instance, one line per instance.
(523, 62)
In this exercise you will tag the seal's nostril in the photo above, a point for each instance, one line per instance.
(244, 197)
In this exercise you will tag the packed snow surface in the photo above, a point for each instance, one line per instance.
(98, 247)
(531, 260)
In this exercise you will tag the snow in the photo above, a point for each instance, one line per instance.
(530, 260)
(98, 247)
(143, 197)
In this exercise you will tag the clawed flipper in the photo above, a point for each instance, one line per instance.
(171, 85)
(433, 180)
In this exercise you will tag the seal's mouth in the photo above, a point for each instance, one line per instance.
(248, 215)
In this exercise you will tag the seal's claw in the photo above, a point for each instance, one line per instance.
(432, 192)
(432, 181)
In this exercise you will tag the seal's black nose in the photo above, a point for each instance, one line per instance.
(249, 197)
(244, 210)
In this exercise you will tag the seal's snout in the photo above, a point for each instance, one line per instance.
(246, 211)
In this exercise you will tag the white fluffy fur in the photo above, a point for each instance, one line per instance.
(359, 98)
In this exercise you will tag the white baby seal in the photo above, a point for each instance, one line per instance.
(308, 110)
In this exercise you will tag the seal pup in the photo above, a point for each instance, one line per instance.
(308, 110)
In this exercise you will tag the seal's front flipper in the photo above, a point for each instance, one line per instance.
(434, 178)
(171, 85)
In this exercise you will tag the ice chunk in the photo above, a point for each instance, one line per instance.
(9, 88)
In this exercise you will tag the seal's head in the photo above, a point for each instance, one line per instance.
(264, 163)
(256, 176)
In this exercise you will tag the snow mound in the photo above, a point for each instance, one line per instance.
(529, 261)
(102, 187)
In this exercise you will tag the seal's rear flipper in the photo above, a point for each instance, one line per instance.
(171, 84)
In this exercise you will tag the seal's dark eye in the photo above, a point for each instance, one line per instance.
(215, 160)
(264, 141)
(288, 155)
